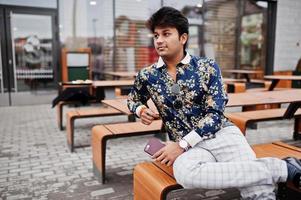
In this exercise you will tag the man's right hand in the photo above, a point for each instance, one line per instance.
(147, 116)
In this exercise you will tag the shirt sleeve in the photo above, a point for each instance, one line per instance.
(139, 94)
(215, 102)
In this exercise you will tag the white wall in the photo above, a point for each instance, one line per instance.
(288, 35)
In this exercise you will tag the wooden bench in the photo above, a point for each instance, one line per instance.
(153, 180)
(235, 87)
(242, 119)
(59, 110)
(102, 133)
(86, 113)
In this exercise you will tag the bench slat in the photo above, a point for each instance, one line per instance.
(59, 110)
(156, 180)
(116, 130)
(98, 112)
(168, 170)
(261, 114)
(282, 144)
(241, 119)
(272, 150)
(134, 127)
(147, 181)
(85, 113)
(261, 150)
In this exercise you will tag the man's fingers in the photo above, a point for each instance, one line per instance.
(150, 113)
(169, 163)
(146, 121)
(158, 153)
(164, 161)
(161, 157)
(156, 115)
(147, 117)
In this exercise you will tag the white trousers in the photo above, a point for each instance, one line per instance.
(228, 161)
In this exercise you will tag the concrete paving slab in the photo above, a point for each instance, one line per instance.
(35, 162)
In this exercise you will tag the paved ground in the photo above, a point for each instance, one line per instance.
(35, 162)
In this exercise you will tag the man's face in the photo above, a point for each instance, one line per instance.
(167, 41)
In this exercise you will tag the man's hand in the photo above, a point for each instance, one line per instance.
(147, 116)
(168, 154)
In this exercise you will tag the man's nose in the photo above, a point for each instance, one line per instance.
(159, 40)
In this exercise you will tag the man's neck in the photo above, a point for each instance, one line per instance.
(173, 61)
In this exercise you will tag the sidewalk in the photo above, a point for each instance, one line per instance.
(35, 162)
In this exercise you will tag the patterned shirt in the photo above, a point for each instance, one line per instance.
(201, 93)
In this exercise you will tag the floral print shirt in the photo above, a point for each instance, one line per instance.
(201, 92)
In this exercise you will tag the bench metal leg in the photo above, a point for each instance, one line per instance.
(131, 118)
(103, 157)
(253, 125)
(60, 116)
(70, 133)
(297, 129)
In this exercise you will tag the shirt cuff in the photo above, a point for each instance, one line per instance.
(192, 138)
(138, 109)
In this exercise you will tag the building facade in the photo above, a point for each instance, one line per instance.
(236, 33)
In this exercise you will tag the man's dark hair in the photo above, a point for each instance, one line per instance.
(168, 17)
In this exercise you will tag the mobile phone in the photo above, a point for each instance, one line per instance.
(153, 145)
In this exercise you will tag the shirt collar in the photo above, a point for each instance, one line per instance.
(185, 60)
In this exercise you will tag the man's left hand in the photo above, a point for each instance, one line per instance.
(168, 154)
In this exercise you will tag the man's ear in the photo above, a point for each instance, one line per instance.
(184, 38)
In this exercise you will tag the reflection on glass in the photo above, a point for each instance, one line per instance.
(193, 11)
(193, 43)
(251, 40)
(86, 25)
(32, 47)
(220, 19)
(212, 32)
(134, 44)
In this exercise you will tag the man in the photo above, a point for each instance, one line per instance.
(206, 150)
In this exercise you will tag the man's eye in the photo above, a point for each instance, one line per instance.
(166, 34)
(155, 36)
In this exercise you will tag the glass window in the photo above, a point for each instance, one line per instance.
(252, 44)
(193, 11)
(32, 46)
(88, 24)
(134, 44)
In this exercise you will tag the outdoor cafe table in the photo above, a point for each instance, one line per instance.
(245, 73)
(276, 78)
(110, 85)
(235, 99)
(63, 85)
(75, 84)
(121, 105)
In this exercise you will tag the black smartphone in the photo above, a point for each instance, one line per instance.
(153, 145)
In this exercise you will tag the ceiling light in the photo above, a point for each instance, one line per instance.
(93, 3)
(199, 5)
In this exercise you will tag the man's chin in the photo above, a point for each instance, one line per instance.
(162, 54)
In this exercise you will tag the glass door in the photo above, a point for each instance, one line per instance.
(32, 59)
